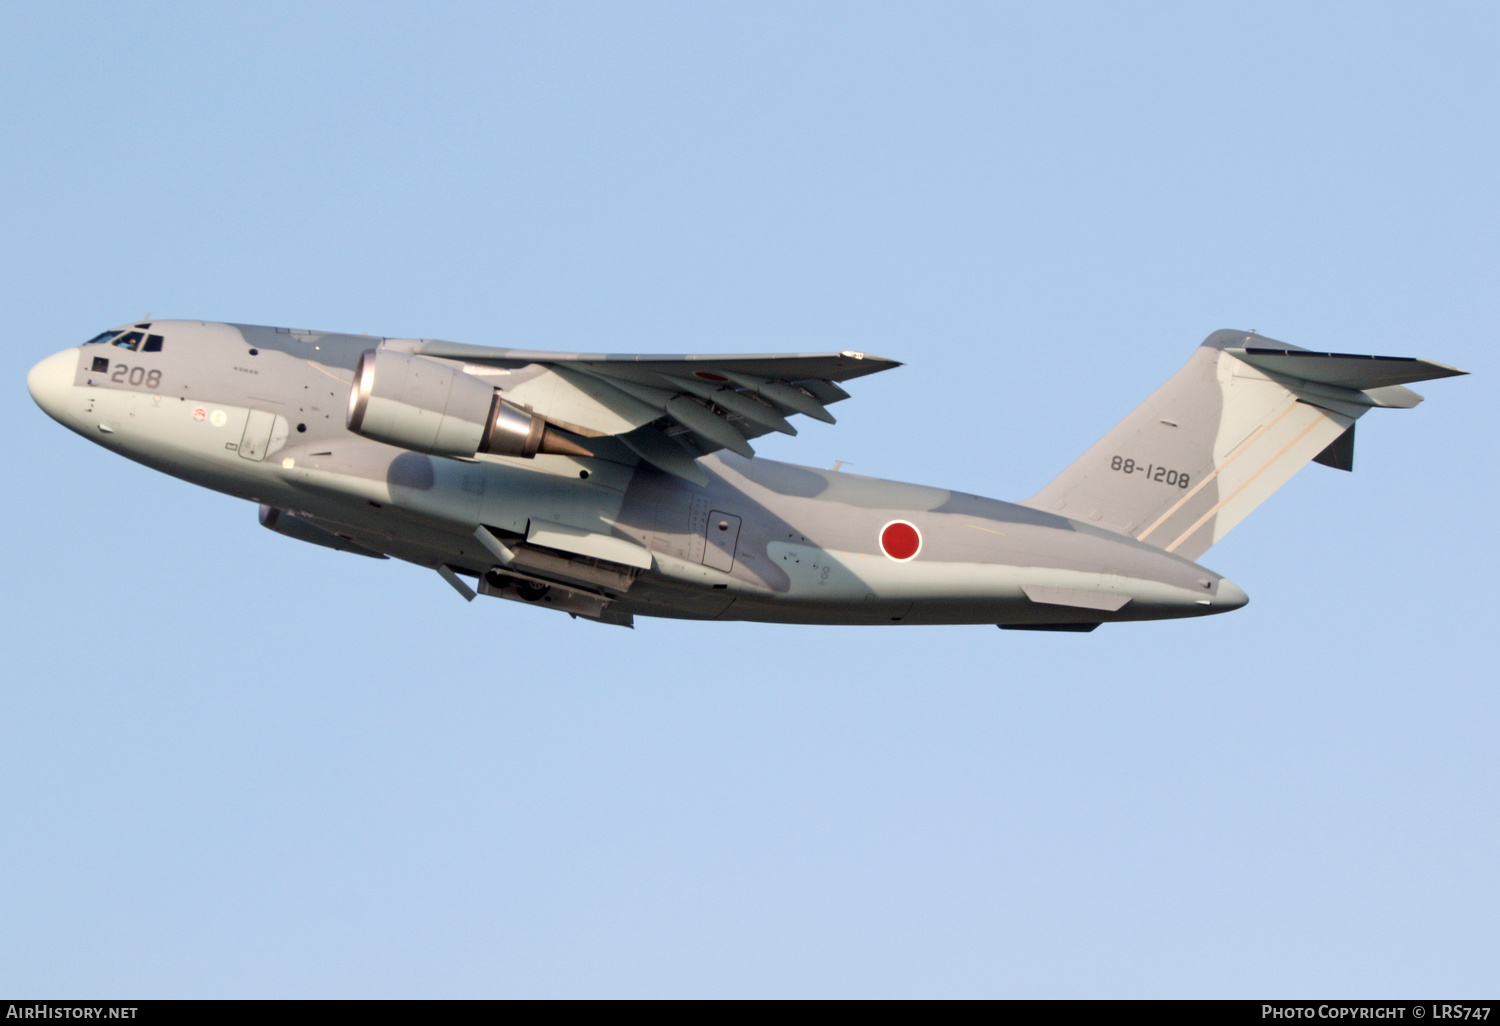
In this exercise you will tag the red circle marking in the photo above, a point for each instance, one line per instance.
(710, 376)
(900, 540)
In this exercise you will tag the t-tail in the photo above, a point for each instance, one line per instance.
(1231, 427)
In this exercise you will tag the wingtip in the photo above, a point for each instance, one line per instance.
(1452, 371)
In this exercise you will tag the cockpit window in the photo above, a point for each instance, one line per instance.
(153, 344)
(102, 338)
(130, 340)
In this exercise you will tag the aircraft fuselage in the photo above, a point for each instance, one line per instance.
(259, 413)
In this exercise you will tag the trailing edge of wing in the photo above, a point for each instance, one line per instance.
(755, 410)
(719, 401)
(715, 431)
(784, 394)
(665, 454)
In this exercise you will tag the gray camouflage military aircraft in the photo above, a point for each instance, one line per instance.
(611, 486)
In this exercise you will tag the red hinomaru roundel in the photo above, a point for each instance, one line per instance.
(900, 540)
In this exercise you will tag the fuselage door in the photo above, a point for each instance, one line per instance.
(257, 437)
(722, 534)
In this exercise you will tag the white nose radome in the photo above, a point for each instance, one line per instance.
(51, 380)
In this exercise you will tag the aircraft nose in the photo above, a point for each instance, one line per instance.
(1229, 596)
(51, 380)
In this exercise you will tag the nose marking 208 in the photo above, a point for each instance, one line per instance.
(126, 375)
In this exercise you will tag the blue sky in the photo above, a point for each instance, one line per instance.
(235, 765)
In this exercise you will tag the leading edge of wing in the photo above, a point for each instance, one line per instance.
(842, 366)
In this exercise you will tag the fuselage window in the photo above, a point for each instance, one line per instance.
(102, 338)
(130, 340)
(153, 344)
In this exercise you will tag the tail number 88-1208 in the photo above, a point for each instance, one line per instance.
(1153, 471)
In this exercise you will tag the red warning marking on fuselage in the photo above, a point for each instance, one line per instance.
(900, 540)
(710, 376)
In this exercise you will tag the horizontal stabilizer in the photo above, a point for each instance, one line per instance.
(1345, 370)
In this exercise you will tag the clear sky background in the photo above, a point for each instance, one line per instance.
(232, 764)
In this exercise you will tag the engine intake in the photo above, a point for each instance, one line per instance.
(431, 407)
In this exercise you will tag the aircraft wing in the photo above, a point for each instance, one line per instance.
(669, 410)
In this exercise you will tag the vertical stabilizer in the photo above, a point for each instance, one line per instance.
(1231, 427)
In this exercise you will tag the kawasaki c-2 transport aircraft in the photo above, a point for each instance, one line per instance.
(615, 486)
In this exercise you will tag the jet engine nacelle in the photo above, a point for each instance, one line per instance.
(431, 407)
